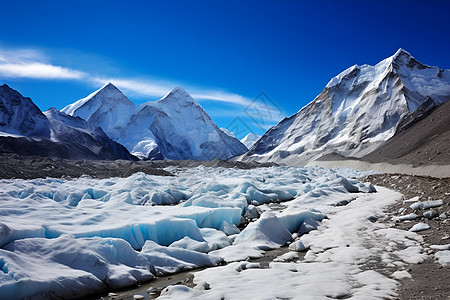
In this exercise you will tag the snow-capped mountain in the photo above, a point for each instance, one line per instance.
(24, 129)
(358, 110)
(174, 127)
(80, 134)
(20, 116)
(107, 108)
(250, 139)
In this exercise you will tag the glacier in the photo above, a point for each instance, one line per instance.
(69, 238)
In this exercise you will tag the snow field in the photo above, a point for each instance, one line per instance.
(73, 237)
(348, 256)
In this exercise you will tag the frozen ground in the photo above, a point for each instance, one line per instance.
(63, 238)
(420, 192)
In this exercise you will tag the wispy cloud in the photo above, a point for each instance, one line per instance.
(39, 71)
(222, 97)
(33, 64)
(136, 86)
(25, 63)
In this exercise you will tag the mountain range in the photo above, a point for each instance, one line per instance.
(358, 111)
(174, 127)
(24, 129)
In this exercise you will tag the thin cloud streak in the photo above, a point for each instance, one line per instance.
(38, 71)
(138, 87)
(222, 97)
(25, 63)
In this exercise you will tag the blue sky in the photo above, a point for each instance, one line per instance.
(225, 53)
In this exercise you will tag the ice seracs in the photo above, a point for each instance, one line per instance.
(174, 127)
(357, 111)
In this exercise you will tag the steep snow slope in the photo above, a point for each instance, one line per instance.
(356, 112)
(250, 139)
(79, 133)
(26, 130)
(20, 116)
(174, 127)
(107, 108)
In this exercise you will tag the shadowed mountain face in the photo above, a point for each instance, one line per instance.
(425, 140)
(358, 111)
(20, 116)
(24, 129)
(174, 127)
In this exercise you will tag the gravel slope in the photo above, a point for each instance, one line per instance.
(422, 142)
(429, 279)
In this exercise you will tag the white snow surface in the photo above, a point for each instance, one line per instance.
(73, 237)
(174, 127)
(358, 110)
(347, 258)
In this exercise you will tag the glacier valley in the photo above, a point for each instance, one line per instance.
(69, 238)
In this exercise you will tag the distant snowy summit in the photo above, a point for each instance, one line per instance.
(357, 111)
(24, 129)
(250, 139)
(174, 127)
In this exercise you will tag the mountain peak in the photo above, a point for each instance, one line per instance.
(108, 95)
(108, 88)
(53, 110)
(399, 52)
(358, 111)
(110, 85)
(7, 88)
(400, 57)
(178, 94)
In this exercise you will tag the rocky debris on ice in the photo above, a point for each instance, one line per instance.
(420, 227)
(440, 247)
(443, 257)
(409, 217)
(430, 214)
(286, 257)
(426, 204)
(401, 275)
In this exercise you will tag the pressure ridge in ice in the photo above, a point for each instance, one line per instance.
(69, 238)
